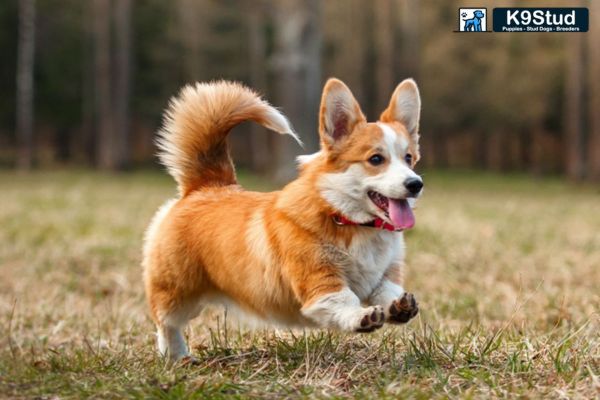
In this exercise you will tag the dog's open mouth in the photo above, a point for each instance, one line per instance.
(397, 211)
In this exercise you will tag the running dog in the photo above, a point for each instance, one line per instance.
(325, 251)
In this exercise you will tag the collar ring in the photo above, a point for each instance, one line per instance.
(337, 220)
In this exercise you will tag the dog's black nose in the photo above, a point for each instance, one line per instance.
(413, 185)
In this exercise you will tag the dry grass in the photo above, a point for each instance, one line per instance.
(506, 270)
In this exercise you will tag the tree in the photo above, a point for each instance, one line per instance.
(102, 84)
(297, 69)
(594, 95)
(409, 21)
(122, 84)
(25, 89)
(573, 108)
(112, 90)
(257, 52)
(88, 142)
(192, 22)
(384, 50)
(346, 42)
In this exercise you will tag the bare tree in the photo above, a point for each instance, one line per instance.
(297, 68)
(87, 142)
(102, 84)
(122, 84)
(594, 95)
(408, 62)
(384, 50)
(25, 63)
(346, 34)
(573, 108)
(257, 52)
(192, 26)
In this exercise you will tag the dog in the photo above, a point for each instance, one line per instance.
(474, 24)
(326, 251)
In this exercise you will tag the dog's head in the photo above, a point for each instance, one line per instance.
(478, 14)
(367, 168)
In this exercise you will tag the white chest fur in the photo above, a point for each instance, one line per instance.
(372, 254)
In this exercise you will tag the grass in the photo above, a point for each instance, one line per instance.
(506, 270)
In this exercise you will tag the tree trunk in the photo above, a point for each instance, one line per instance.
(347, 58)
(536, 158)
(122, 85)
(384, 50)
(594, 96)
(297, 76)
(192, 21)
(257, 52)
(482, 146)
(573, 136)
(439, 152)
(408, 64)
(102, 85)
(25, 63)
(85, 144)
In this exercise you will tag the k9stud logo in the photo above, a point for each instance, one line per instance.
(472, 19)
(541, 19)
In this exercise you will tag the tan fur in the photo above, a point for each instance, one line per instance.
(272, 254)
(192, 141)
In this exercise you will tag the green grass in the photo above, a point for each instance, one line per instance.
(506, 271)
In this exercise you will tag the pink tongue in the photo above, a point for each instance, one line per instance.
(401, 214)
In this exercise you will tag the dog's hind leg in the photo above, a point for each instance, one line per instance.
(171, 343)
(170, 322)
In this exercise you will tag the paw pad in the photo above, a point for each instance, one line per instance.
(404, 309)
(373, 319)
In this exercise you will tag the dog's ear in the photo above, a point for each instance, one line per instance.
(405, 107)
(339, 114)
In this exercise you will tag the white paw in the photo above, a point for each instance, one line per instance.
(370, 319)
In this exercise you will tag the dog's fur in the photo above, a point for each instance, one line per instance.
(280, 256)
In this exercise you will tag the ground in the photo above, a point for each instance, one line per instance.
(506, 270)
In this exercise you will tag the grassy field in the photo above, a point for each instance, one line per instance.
(507, 272)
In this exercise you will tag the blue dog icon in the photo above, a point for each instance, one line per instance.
(473, 24)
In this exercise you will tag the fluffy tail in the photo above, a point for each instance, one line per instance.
(192, 141)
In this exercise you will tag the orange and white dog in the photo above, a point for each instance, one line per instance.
(325, 251)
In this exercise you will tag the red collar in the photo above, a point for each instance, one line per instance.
(339, 219)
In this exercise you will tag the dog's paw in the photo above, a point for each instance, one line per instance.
(188, 361)
(403, 309)
(372, 319)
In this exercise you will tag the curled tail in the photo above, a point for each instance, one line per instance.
(192, 141)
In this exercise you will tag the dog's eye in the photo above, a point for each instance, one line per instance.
(408, 159)
(376, 159)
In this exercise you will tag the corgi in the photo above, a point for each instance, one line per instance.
(325, 251)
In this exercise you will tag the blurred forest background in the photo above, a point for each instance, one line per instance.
(84, 83)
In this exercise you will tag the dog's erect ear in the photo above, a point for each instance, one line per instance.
(340, 113)
(405, 107)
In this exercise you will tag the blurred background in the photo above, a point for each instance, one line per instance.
(84, 83)
(504, 257)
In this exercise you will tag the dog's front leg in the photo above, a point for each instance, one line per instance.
(399, 306)
(342, 310)
(325, 297)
